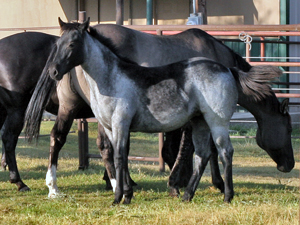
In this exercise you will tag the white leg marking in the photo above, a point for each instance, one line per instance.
(51, 182)
(113, 184)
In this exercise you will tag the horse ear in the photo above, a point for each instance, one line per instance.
(284, 106)
(85, 25)
(61, 23)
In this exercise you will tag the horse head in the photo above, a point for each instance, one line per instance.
(274, 136)
(69, 49)
(274, 122)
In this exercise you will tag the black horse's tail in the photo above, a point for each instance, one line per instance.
(38, 102)
(255, 83)
(240, 62)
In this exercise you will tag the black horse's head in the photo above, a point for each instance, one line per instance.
(69, 49)
(274, 136)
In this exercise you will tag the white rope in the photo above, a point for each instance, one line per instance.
(246, 38)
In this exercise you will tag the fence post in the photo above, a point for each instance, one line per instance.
(160, 147)
(83, 132)
(160, 137)
(83, 144)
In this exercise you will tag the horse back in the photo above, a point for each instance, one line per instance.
(22, 59)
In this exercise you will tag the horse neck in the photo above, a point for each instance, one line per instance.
(261, 109)
(99, 60)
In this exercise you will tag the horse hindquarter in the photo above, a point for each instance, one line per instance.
(217, 101)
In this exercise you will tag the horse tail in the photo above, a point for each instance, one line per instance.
(256, 82)
(240, 62)
(38, 102)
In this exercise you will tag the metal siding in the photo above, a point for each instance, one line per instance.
(294, 50)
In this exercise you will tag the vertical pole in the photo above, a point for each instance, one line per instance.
(83, 138)
(149, 12)
(83, 144)
(81, 16)
(202, 9)
(262, 49)
(248, 50)
(119, 12)
(160, 138)
(160, 147)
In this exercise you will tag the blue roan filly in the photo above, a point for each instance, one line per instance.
(126, 97)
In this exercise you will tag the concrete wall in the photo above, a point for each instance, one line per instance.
(44, 13)
(243, 12)
(32, 13)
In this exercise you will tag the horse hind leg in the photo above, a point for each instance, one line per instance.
(201, 141)
(183, 167)
(217, 179)
(223, 144)
(3, 116)
(12, 128)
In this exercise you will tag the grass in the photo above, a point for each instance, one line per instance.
(263, 195)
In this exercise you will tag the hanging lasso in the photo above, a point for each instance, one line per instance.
(246, 38)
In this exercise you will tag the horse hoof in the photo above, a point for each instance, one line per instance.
(127, 201)
(174, 192)
(23, 189)
(115, 203)
(220, 186)
(187, 197)
(227, 200)
(3, 166)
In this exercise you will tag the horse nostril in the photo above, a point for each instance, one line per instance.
(55, 73)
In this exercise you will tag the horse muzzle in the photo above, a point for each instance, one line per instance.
(54, 73)
(286, 167)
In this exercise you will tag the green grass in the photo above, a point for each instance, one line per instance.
(263, 195)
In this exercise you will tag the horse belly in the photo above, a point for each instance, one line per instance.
(162, 117)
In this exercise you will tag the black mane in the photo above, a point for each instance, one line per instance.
(108, 43)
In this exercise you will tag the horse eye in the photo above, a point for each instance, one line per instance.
(71, 45)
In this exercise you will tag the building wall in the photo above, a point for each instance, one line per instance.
(44, 13)
(243, 12)
(32, 13)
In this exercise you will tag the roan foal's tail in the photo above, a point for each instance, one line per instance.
(256, 82)
(38, 102)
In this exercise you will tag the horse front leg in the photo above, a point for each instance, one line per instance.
(119, 137)
(58, 138)
(201, 141)
(10, 134)
(106, 150)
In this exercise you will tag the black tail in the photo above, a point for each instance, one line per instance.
(38, 102)
(241, 63)
(255, 83)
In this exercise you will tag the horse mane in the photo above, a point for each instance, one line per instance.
(256, 83)
(108, 43)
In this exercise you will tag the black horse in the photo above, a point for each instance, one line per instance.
(22, 57)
